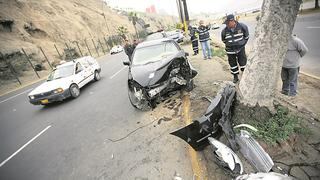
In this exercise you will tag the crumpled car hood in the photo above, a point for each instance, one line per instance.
(142, 73)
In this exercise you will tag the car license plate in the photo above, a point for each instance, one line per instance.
(44, 101)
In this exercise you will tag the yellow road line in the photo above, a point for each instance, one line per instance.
(198, 171)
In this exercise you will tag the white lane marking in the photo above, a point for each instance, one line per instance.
(25, 145)
(313, 27)
(117, 72)
(15, 96)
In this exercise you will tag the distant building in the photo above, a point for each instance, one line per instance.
(151, 9)
(148, 10)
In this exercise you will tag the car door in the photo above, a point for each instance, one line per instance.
(88, 71)
(79, 75)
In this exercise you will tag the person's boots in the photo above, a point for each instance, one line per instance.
(235, 78)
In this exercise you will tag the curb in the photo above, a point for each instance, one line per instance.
(310, 75)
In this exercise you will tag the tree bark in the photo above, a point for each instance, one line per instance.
(274, 27)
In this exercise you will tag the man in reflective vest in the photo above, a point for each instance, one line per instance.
(235, 36)
(194, 39)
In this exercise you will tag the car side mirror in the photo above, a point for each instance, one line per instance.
(126, 63)
(78, 71)
(187, 54)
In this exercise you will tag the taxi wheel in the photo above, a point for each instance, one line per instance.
(96, 76)
(74, 91)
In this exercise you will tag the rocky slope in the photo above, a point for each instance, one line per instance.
(31, 24)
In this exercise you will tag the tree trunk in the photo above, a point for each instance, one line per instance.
(259, 80)
(316, 4)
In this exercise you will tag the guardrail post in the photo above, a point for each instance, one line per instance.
(58, 52)
(46, 57)
(95, 47)
(105, 40)
(85, 41)
(79, 48)
(101, 46)
(30, 62)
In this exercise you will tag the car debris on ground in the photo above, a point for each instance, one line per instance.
(217, 120)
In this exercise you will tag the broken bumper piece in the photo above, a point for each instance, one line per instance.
(226, 156)
(264, 176)
(196, 133)
(253, 152)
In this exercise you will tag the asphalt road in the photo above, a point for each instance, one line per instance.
(70, 140)
(307, 28)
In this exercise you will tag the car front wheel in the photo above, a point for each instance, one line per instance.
(138, 100)
(74, 91)
(96, 75)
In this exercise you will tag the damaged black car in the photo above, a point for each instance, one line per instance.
(157, 68)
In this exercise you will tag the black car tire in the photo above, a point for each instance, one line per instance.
(96, 75)
(189, 86)
(143, 105)
(74, 91)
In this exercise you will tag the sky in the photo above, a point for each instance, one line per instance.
(194, 6)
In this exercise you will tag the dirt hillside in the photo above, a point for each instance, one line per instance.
(31, 24)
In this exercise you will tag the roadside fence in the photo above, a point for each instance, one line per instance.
(13, 65)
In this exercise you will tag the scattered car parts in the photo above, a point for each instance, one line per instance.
(217, 119)
(253, 152)
(264, 176)
(212, 122)
(226, 156)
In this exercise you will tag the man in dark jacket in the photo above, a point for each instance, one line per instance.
(235, 36)
(194, 39)
(128, 49)
(204, 38)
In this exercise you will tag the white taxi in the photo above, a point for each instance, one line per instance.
(66, 80)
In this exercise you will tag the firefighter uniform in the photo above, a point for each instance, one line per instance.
(235, 40)
(194, 40)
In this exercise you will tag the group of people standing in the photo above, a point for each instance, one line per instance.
(204, 38)
(235, 37)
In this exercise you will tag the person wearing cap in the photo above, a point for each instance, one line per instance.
(194, 39)
(204, 38)
(291, 65)
(235, 36)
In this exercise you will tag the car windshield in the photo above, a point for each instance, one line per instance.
(153, 53)
(61, 72)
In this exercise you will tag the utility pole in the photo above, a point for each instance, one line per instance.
(180, 10)
(186, 15)
(183, 13)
